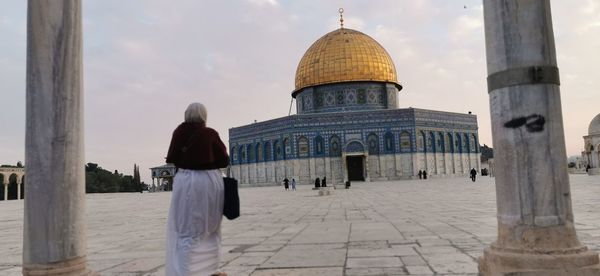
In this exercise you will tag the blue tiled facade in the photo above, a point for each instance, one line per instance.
(381, 131)
(392, 144)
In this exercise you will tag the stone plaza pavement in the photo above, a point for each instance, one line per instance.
(416, 227)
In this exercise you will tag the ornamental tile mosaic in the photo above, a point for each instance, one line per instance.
(350, 96)
(339, 97)
(307, 99)
(318, 100)
(330, 98)
(372, 96)
(355, 146)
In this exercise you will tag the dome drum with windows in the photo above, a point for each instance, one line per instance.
(352, 64)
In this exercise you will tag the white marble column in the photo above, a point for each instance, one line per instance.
(5, 190)
(18, 190)
(536, 234)
(54, 228)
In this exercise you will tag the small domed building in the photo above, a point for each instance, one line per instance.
(591, 154)
(349, 125)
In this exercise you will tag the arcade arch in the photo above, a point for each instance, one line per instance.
(12, 181)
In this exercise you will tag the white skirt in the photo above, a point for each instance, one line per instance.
(194, 223)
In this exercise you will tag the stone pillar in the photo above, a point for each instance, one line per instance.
(344, 168)
(5, 190)
(54, 228)
(18, 190)
(536, 234)
(367, 174)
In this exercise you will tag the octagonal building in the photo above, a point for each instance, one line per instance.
(349, 125)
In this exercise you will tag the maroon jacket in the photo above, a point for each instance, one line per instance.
(204, 150)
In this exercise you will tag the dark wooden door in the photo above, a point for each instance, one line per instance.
(355, 168)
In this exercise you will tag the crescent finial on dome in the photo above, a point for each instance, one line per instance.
(341, 11)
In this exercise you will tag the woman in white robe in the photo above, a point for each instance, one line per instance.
(194, 222)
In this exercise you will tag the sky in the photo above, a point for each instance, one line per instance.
(146, 60)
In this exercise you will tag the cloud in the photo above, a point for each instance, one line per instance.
(264, 2)
(466, 26)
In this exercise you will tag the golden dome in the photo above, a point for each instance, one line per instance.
(344, 55)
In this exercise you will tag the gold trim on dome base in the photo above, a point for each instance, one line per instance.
(344, 55)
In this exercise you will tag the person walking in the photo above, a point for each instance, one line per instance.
(324, 182)
(286, 183)
(196, 209)
(420, 174)
(473, 174)
(424, 174)
(317, 183)
(293, 184)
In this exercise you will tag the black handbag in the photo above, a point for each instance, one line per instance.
(231, 204)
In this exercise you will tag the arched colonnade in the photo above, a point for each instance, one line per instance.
(12, 180)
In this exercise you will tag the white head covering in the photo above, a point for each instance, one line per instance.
(195, 113)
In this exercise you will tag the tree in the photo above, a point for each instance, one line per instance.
(99, 180)
(136, 178)
(486, 153)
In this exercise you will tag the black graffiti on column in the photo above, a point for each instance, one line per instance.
(533, 123)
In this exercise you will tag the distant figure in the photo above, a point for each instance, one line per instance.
(317, 183)
(347, 184)
(473, 174)
(286, 183)
(424, 174)
(587, 168)
(293, 184)
(420, 174)
(324, 182)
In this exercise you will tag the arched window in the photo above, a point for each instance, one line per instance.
(287, 148)
(373, 143)
(303, 148)
(421, 142)
(319, 145)
(355, 146)
(430, 142)
(267, 151)
(450, 143)
(440, 142)
(389, 142)
(467, 146)
(250, 151)
(459, 143)
(278, 152)
(258, 153)
(241, 154)
(474, 144)
(234, 155)
(405, 145)
(335, 146)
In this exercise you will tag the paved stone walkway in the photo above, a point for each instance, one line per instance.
(437, 226)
